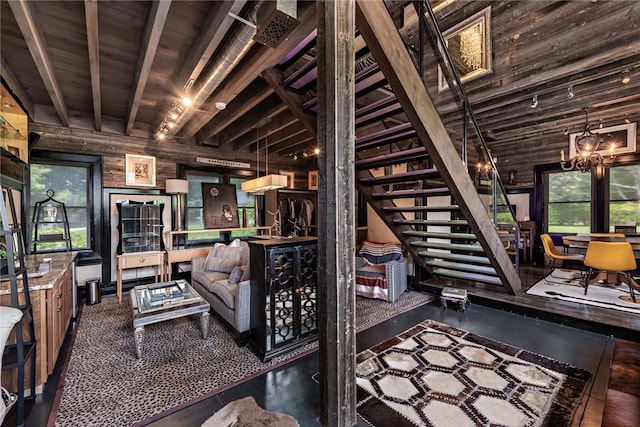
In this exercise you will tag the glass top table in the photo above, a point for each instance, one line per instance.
(165, 301)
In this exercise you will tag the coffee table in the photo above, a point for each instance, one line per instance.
(165, 301)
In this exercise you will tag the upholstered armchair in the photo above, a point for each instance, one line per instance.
(381, 271)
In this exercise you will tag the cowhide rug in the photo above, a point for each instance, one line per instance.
(246, 413)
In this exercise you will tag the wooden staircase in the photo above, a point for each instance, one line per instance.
(410, 172)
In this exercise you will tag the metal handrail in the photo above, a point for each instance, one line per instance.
(439, 47)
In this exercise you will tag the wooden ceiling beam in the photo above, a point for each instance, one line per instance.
(153, 31)
(293, 101)
(14, 85)
(247, 71)
(91, 20)
(23, 12)
(272, 110)
(294, 144)
(256, 93)
(214, 29)
(272, 131)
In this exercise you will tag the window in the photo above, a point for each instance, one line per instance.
(568, 202)
(624, 195)
(195, 221)
(195, 212)
(246, 209)
(70, 185)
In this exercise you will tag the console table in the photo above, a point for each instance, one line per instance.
(139, 260)
(283, 294)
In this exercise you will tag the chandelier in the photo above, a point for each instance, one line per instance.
(587, 145)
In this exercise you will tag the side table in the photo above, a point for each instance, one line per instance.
(138, 260)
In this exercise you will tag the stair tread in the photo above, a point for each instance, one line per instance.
(421, 208)
(468, 276)
(444, 222)
(413, 193)
(401, 177)
(450, 246)
(458, 257)
(482, 269)
(442, 235)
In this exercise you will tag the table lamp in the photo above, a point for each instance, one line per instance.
(177, 187)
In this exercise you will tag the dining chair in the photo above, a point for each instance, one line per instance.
(556, 255)
(610, 256)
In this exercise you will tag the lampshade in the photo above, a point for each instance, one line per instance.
(264, 183)
(177, 186)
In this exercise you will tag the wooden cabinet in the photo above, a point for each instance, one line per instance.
(283, 295)
(58, 303)
(140, 226)
(51, 299)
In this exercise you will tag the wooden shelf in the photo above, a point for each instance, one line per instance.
(171, 234)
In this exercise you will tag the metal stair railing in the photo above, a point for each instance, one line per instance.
(439, 46)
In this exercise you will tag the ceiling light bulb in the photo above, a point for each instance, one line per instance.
(171, 125)
(601, 125)
(186, 101)
(626, 76)
(316, 151)
(570, 93)
(220, 105)
(160, 135)
(174, 116)
(534, 102)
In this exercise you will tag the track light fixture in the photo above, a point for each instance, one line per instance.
(627, 120)
(534, 103)
(626, 76)
(570, 93)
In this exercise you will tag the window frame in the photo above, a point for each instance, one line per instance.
(93, 164)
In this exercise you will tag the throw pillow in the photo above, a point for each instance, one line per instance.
(219, 264)
(245, 273)
(236, 274)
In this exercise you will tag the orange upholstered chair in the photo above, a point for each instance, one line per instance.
(610, 256)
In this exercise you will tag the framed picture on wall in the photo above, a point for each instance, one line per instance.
(313, 180)
(220, 206)
(140, 171)
(618, 139)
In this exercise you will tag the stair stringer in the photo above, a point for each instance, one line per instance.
(387, 47)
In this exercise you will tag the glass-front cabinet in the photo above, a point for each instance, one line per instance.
(140, 226)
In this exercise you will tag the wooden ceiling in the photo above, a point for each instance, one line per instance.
(117, 68)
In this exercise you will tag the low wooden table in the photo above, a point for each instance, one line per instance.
(165, 301)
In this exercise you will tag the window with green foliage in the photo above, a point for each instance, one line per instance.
(246, 209)
(624, 195)
(568, 202)
(70, 185)
(195, 204)
(195, 219)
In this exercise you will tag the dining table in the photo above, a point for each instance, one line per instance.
(582, 241)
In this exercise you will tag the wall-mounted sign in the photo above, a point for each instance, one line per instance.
(223, 163)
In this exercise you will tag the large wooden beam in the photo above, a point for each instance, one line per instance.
(91, 20)
(254, 95)
(385, 43)
(293, 101)
(270, 108)
(336, 219)
(23, 12)
(153, 31)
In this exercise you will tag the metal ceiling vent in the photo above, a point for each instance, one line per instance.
(275, 20)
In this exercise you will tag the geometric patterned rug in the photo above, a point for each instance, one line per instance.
(437, 375)
(104, 384)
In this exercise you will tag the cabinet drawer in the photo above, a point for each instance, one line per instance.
(140, 260)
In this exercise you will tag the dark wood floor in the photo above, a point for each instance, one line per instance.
(568, 332)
